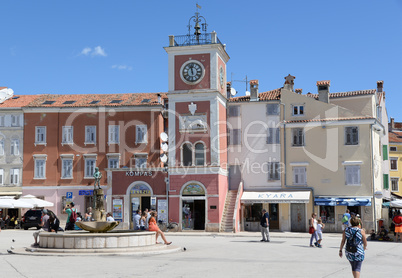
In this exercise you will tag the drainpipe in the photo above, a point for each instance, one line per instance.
(372, 164)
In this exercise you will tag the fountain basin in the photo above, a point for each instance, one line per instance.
(97, 226)
(87, 240)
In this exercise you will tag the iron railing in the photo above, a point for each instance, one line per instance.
(205, 38)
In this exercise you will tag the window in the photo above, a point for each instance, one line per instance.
(141, 134)
(297, 137)
(141, 160)
(14, 176)
(1, 176)
(392, 149)
(15, 120)
(113, 163)
(2, 120)
(234, 111)
(298, 110)
(40, 136)
(385, 152)
(40, 169)
(273, 135)
(187, 155)
(327, 214)
(394, 163)
(386, 181)
(67, 168)
(352, 175)
(2, 147)
(116, 101)
(90, 167)
(145, 100)
(94, 102)
(199, 154)
(90, 134)
(299, 176)
(272, 109)
(394, 184)
(48, 102)
(235, 137)
(351, 135)
(15, 147)
(114, 131)
(69, 102)
(67, 135)
(273, 171)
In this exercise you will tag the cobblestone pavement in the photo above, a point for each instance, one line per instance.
(208, 255)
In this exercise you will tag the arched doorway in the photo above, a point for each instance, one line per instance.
(140, 198)
(193, 206)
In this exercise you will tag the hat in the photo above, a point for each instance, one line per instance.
(72, 204)
(45, 211)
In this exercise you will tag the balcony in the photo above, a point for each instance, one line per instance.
(186, 40)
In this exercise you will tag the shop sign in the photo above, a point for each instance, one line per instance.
(193, 189)
(140, 189)
(275, 196)
(86, 192)
(139, 173)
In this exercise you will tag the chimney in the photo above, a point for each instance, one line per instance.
(323, 90)
(299, 91)
(392, 123)
(380, 85)
(289, 83)
(253, 90)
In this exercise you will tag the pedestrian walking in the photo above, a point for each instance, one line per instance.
(313, 228)
(320, 227)
(69, 210)
(345, 220)
(397, 220)
(265, 226)
(356, 243)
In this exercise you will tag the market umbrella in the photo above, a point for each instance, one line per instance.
(396, 204)
(36, 202)
(7, 200)
(5, 204)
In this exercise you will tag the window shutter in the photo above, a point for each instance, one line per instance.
(385, 152)
(1, 147)
(386, 185)
(1, 176)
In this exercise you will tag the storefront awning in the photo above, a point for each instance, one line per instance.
(342, 202)
(276, 197)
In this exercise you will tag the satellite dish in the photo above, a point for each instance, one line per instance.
(233, 91)
(164, 137)
(164, 147)
(164, 158)
(247, 93)
(6, 94)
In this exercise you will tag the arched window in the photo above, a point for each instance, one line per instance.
(187, 155)
(199, 154)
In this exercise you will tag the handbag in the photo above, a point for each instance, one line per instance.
(311, 230)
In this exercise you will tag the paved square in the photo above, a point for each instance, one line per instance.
(208, 255)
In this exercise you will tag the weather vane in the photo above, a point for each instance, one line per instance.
(197, 19)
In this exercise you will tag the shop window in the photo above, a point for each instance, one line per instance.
(327, 214)
(252, 213)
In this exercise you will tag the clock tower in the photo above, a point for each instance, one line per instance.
(198, 178)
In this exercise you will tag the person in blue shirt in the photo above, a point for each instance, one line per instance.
(346, 220)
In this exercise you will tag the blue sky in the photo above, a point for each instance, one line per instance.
(88, 46)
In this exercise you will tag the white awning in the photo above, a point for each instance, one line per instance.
(276, 197)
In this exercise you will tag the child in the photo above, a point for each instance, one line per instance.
(320, 226)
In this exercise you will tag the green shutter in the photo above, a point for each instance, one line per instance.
(385, 152)
(386, 185)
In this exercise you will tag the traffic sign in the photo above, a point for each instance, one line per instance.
(69, 195)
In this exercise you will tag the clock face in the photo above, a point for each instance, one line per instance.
(192, 72)
(221, 77)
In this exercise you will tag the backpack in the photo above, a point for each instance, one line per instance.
(351, 245)
(345, 219)
(73, 216)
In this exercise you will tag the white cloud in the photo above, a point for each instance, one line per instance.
(86, 51)
(122, 67)
(99, 51)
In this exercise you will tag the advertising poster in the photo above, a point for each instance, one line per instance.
(162, 210)
(118, 209)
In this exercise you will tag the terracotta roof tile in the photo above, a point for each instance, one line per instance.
(18, 101)
(264, 96)
(323, 82)
(328, 120)
(345, 94)
(95, 100)
(395, 137)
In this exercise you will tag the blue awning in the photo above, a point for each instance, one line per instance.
(342, 202)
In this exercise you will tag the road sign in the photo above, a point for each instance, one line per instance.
(69, 195)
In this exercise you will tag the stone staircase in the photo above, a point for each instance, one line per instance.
(228, 212)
